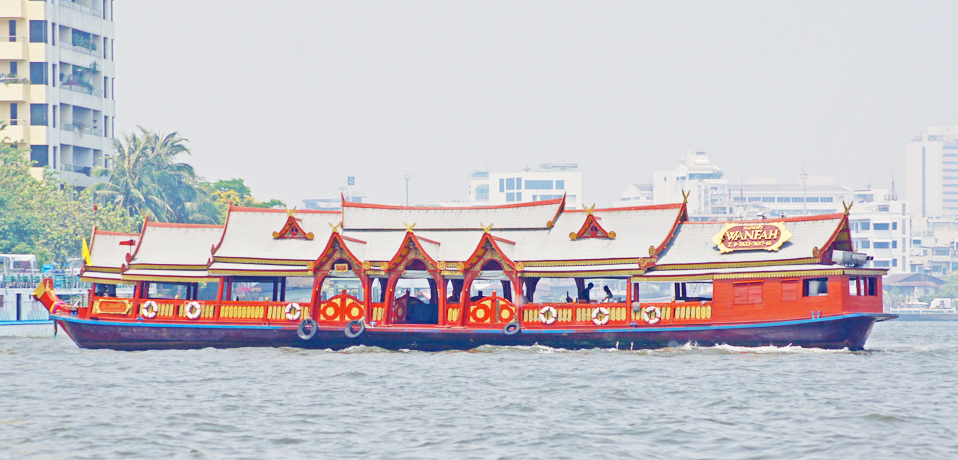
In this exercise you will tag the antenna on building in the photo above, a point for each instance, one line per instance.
(407, 177)
(894, 194)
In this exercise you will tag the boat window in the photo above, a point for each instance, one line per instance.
(748, 293)
(862, 286)
(208, 291)
(693, 292)
(655, 292)
(255, 289)
(815, 287)
(169, 291)
(555, 290)
(299, 289)
(107, 290)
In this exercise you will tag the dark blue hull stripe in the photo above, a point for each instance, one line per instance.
(477, 331)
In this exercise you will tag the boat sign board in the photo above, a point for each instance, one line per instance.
(740, 237)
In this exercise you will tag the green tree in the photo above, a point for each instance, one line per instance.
(147, 180)
(37, 217)
(235, 191)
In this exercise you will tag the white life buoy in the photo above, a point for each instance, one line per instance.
(293, 311)
(148, 309)
(600, 316)
(194, 310)
(651, 314)
(548, 315)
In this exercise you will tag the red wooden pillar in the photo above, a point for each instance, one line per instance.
(367, 297)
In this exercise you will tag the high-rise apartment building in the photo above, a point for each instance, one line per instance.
(57, 70)
(931, 173)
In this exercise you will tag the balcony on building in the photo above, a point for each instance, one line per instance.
(92, 7)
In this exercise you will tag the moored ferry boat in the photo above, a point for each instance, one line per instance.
(456, 278)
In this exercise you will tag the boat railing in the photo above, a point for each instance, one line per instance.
(341, 308)
(264, 312)
(490, 310)
(575, 314)
(615, 313)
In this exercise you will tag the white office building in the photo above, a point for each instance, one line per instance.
(931, 172)
(547, 182)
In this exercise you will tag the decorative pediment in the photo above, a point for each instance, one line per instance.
(291, 230)
(489, 249)
(591, 229)
(337, 257)
(411, 249)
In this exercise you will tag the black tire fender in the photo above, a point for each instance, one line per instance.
(307, 329)
(355, 328)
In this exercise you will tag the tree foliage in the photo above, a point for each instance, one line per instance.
(37, 217)
(147, 180)
(236, 191)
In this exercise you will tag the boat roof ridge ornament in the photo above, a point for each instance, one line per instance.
(685, 196)
(848, 207)
(485, 228)
(410, 228)
(337, 227)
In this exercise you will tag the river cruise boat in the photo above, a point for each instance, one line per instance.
(441, 278)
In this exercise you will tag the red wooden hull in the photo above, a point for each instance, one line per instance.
(837, 332)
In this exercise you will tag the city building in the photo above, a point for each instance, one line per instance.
(764, 196)
(880, 226)
(931, 173)
(58, 71)
(703, 181)
(635, 195)
(546, 182)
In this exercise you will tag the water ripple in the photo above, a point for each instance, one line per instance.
(893, 400)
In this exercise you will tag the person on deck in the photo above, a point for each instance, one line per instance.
(567, 298)
(608, 294)
(584, 295)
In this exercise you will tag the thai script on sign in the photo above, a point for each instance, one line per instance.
(769, 237)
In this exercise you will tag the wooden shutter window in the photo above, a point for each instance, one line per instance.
(755, 292)
(790, 290)
(741, 293)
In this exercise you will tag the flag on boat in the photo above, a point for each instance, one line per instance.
(86, 253)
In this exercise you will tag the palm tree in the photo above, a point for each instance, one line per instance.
(146, 180)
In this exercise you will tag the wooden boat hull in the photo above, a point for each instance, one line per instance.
(836, 332)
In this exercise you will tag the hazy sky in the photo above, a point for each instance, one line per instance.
(294, 96)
